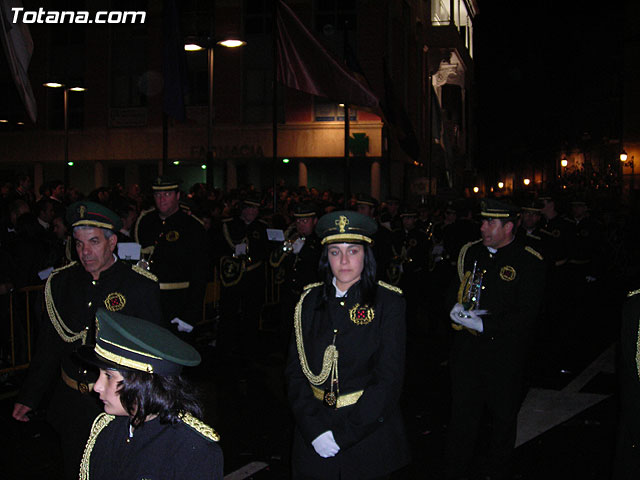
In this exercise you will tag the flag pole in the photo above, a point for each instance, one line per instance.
(274, 107)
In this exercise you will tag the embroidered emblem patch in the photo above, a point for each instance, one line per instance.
(172, 236)
(342, 222)
(115, 301)
(507, 273)
(82, 211)
(256, 234)
(413, 242)
(361, 315)
(555, 233)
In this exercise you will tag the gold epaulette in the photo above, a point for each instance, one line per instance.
(56, 270)
(535, 237)
(312, 285)
(463, 252)
(388, 286)
(533, 252)
(195, 217)
(202, 428)
(633, 292)
(99, 423)
(227, 220)
(144, 272)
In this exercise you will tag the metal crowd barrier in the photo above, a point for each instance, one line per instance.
(19, 345)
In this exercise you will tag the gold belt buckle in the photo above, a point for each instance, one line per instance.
(83, 387)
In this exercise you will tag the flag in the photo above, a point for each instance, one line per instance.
(18, 47)
(397, 119)
(305, 65)
(174, 64)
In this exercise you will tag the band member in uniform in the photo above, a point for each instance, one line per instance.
(72, 295)
(408, 266)
(174, 243)
(296, 264)
(346, 362)
(151, 426)
(500, 292)
(367, 205)
(243, 248)
(627, 455)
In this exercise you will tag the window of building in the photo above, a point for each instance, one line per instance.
(440, 14)
(128, 60)
(327, 111)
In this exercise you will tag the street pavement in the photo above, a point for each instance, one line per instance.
(566, 425)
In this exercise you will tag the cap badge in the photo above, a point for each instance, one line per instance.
(342, 222)
(361, 315)
(115, 301)
(508, 273)
(82, 211)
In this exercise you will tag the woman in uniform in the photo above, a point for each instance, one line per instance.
(151, 425)
(345, 368)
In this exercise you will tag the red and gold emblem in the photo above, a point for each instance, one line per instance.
(115, 301)
(361, 315)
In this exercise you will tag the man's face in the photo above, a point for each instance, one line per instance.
(392, 208)
(167, 202)
(305, 225)
(495, 234)
(249, 213)
(58, 192)
(95, 251)
(59, 228)
(365, 210)
(530, 220)
(408, 222)
(47, 213)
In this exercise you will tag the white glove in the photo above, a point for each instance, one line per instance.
(470, 319)
(325, 445)
(182, 325)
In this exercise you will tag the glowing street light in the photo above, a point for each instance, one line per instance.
(500, 184)
(526, 181)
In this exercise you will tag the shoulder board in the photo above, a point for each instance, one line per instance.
(62, 268)
(144, 272)
(533, 252)
(202, 428)
(388, 286)
(546, 232)
(195, 217)
(313, 285)
(227, 220)
(99, 423)
(262, 221)
(633, 292)
(535, 237)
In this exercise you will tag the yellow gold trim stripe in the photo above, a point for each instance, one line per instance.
(93, 223)
(99, 423)
(130, 349)
(174, 286)
(343, 400)
(497, 215)
(74, 383)
(125, 362)
(299, 215)
(345, 237)
(165, 187)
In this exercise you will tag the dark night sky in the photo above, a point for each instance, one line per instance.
(543, 72)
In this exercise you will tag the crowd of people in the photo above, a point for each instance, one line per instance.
(481, 279)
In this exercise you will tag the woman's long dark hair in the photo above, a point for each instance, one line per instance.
(368, 286)
(143, 394)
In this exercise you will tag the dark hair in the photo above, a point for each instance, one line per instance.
(368, 286)
(143, 394)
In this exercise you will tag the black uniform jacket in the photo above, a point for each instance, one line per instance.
(72, 298)
(156, 451)
(370, 433)
(512, 291)
(179, 256)
(627, 464)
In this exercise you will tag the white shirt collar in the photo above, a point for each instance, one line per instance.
(339, 293)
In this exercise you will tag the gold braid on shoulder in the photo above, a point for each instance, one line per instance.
(200, 427)
(64, 332)
(99, 423)
(330, 358)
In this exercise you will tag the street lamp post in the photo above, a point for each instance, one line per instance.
(65, 109)
(196, 45)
